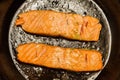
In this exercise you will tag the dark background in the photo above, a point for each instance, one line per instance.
(112, 11)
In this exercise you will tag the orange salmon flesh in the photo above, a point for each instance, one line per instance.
(67, 25)
(60, 58)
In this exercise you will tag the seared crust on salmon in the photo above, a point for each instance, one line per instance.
(58, 57)
(67, 25)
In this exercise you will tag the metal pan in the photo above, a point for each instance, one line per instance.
(84, 7)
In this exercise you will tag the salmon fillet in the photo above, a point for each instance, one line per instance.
(58, 57)
(67, 25)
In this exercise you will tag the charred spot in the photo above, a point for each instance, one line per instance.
(85, 13)
(55, 2)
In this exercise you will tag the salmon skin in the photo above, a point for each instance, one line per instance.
(60, 58)
(67, 25)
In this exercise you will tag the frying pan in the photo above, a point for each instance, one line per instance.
(84, 7)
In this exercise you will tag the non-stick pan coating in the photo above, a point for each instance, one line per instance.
(84, 7)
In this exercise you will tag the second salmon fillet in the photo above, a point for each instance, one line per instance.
(61, 58)
(53, 23)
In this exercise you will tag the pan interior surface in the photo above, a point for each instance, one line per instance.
(84, 7)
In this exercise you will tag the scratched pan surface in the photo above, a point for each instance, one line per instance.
(84, 7)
